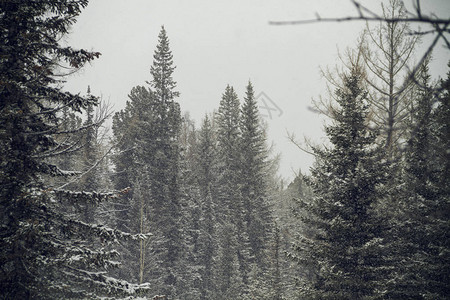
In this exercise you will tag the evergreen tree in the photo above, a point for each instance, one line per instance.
(131, 128)
(441, 142)
(440, 208)
(277, 280)
(288, 214)
(90, 155)
(258, 219)
(164, 164)
(150, 128)
(44, 253)
(422, 224)
(230, 206)
(191, 212)
(207, 173)
(345, 246)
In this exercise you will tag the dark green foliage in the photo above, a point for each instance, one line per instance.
(228, 137)
(207, 176)
(44, 252)
(232, 268)
(257, 213)
(346, 241)
(147, 132)
(130, 127)
(243, 213)
(288, 216)
(199, 213)
(422, 223)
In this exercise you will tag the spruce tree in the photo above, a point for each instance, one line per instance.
(257, 216)
(90, 155)
(131, 127)
(440, 208)
(149, 129)
(233, 235)
(44, 252)
(422, 223)
(345, 246)
(207, 176)
(164, 164)
(287, 213)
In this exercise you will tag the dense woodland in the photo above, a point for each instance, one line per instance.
(159, 208)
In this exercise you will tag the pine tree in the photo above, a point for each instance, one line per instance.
(44, 252)
(345, 246)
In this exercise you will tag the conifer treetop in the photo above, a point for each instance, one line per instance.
(162, 69)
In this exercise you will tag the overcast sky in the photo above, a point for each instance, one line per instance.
(215, 43)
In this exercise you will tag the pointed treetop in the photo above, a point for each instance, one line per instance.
(250, 113)
(249, 99)
(249, 91)
(230, 100)
(228, 119)
(162, 69)
(206, 122)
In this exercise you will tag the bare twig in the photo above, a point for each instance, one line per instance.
(292, 139)
(88, 170)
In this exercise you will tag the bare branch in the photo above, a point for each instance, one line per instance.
(427, 20)
(291, 138)
(88, 170)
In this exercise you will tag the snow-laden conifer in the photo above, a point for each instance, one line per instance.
(45, 250)
(345, 238)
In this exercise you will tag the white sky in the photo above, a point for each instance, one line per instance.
(215, 43)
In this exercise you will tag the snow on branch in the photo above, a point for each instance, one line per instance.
(83, 196)
(107, 234)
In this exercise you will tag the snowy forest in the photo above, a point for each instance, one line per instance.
(142, 203)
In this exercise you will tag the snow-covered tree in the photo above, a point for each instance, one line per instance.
(345, 246)
(421, 235)
(254, 179)
(207, 177)
(229, 198)
(44, 252)
(148, 130)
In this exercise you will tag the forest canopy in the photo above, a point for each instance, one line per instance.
(155, 207)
